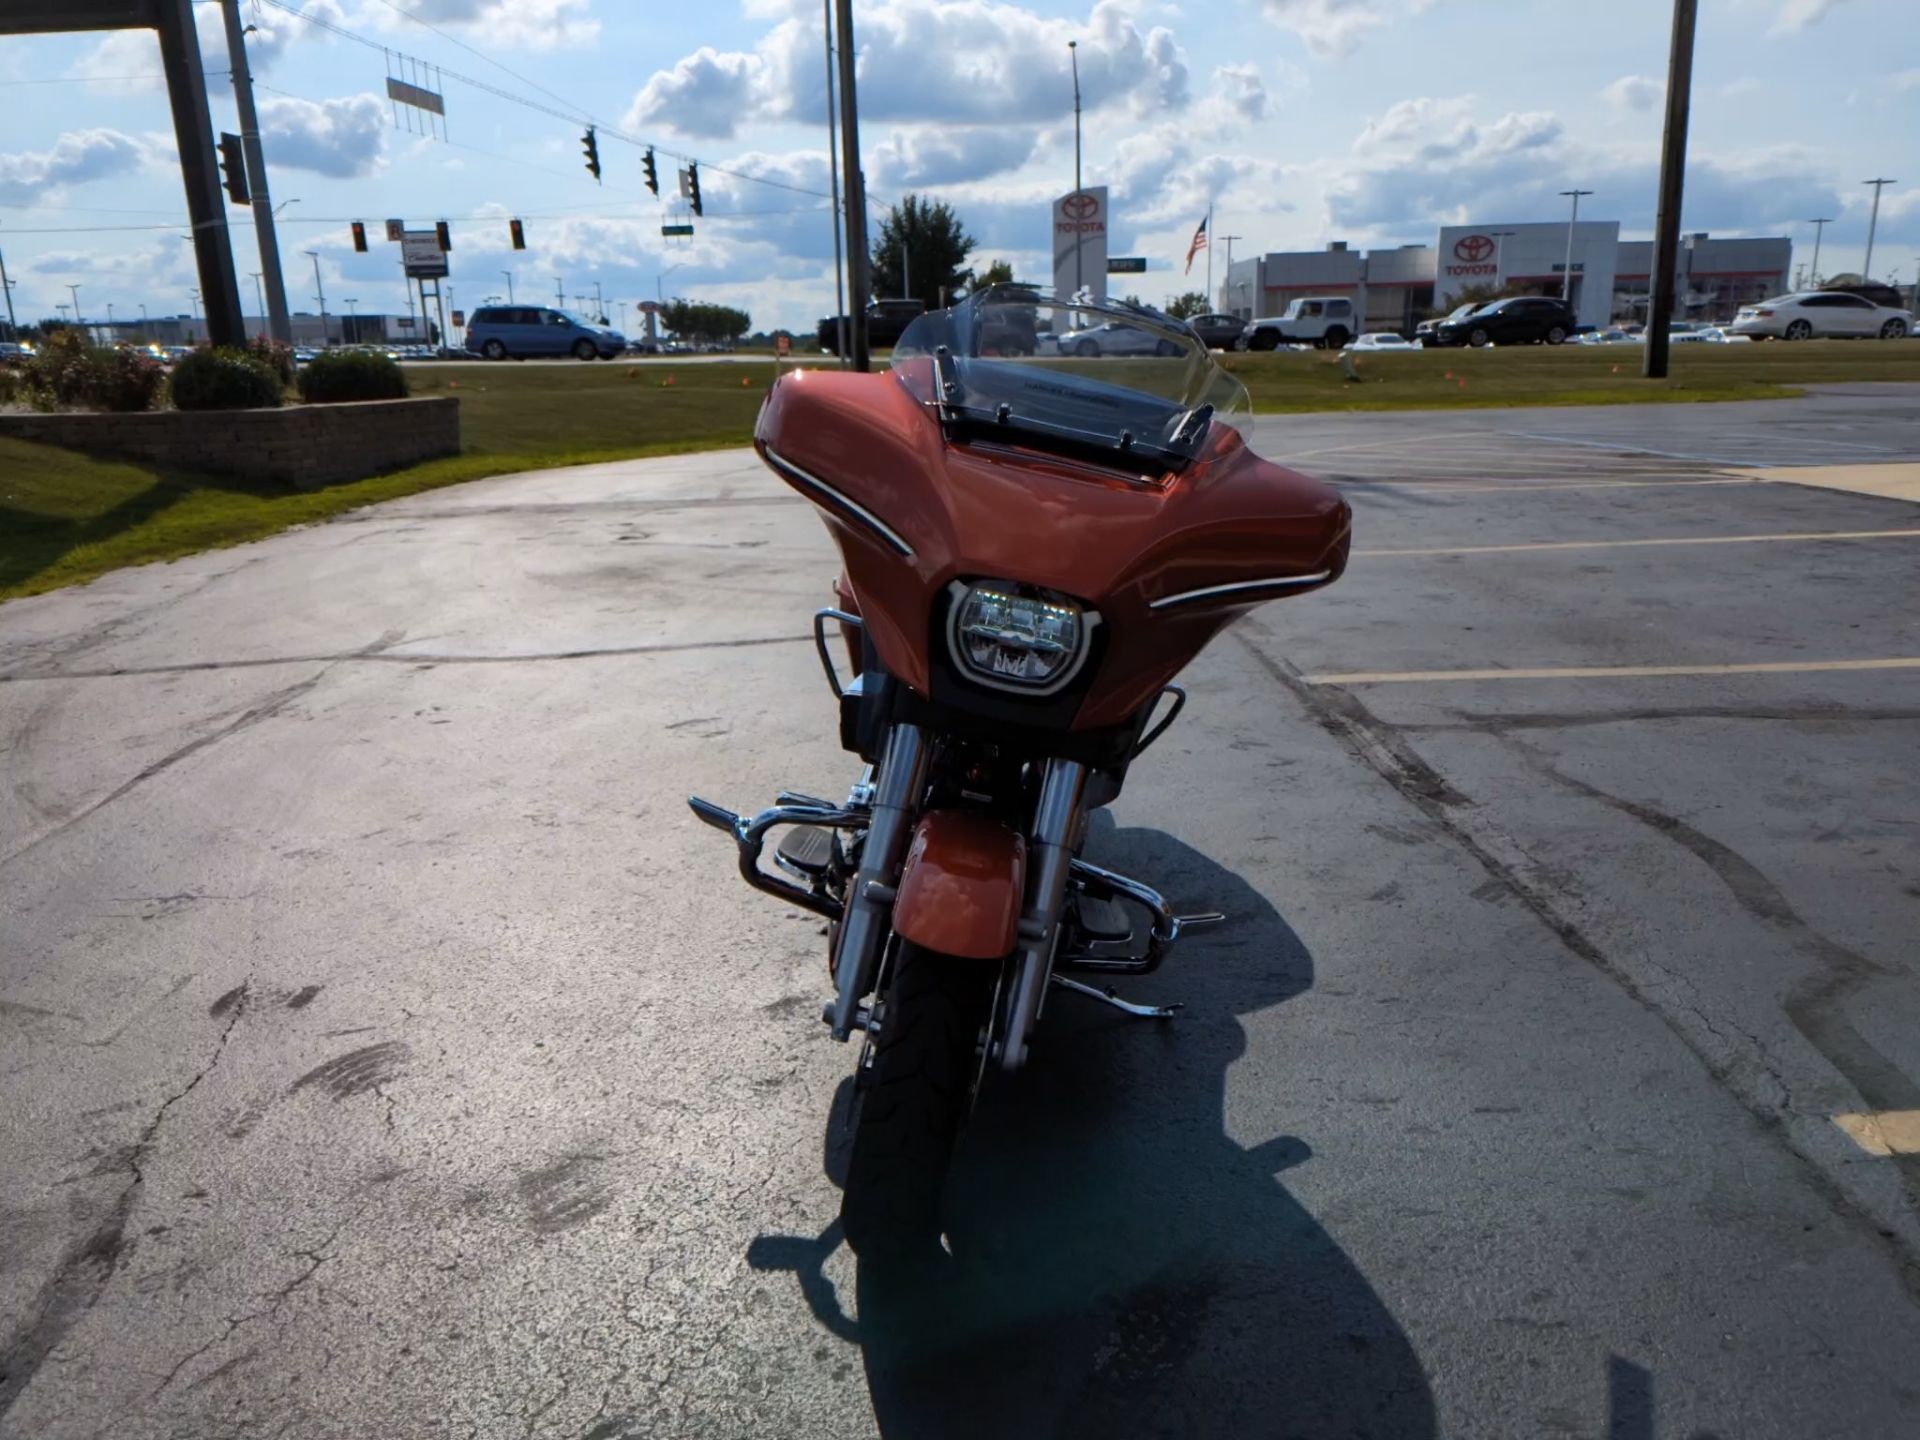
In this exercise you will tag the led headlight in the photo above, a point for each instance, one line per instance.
(1008, 637)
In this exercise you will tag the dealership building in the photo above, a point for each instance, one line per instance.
(1611, 278)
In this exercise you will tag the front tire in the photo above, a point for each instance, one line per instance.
(1087, 350)
(1479, 339)
(586, 350)
(1894, 330)
(1337, 337)
(494, 350)
(1556, 336)
(921, 1088)
(1799, 330)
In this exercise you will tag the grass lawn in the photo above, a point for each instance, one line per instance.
(65, 518)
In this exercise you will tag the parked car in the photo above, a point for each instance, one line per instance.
(1812, 314)
(1877, 291)
(10, 350)
(1383, 340)
(1720, 335)
(1117, 337)
(887, 320)
(1317, 320)
(1686, 332)
(1217, 332)
(1516, 320)
(1609, 336)
(499, 331)
(1424, 331)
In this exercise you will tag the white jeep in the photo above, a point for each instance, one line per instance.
(1323, 321)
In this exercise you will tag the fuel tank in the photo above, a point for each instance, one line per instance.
(1165, 557)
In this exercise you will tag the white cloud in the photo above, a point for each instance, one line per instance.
(506, 24)
(1748, 85)
(1329, 28)
(1243, 91)
(1798, 14)
(937, 155)
(342, 137)
(78, 156)
(1633, 92)
(959, 62)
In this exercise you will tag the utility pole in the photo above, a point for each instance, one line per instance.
(1073, 56)
(275, 311)
(1566, 271)
(78, 323)
(260, 294)
(1228, 240)
(1819, 226)
(320, 294)
(6, 285)
(906, 271)
(1210, 258)
(599, 305)
(1873, 223)
(1673, 167)
(509, 275)
(559, 293)
(1499, 238)
(833, 172)
(194, 139)
(859, 286)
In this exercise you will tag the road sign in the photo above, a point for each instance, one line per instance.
(424, 259)
(676, 229)
(1126, 264)
(396, 229)
(459, 319)
(783, 345)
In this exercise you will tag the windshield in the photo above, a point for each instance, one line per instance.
(583, 321)
(1089, 376)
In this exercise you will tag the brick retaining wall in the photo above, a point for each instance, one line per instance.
(302, 445)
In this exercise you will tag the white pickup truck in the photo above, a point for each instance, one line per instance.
(1325, 321)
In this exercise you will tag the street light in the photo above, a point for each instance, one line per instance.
(320, 294)
(658, 280)
(260, 293)
(284, 204)
(1500, 238)
(1866, 265)
(509, 275)
(1819, 226)
(1566, 275)
(77, 321)
(1073, 55)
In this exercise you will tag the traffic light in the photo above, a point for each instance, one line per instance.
(653, 174)
(233, 165)
(519, 234)
(360, 237)
(446, 236)
(591, 144)
(693, 187)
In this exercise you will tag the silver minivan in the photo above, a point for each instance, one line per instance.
(499, 331)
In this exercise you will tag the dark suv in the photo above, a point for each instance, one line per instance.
(887, 321)
(1517, 320)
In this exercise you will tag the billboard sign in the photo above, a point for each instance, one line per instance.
(421, 253)
(1126, 264)
(1080, 242)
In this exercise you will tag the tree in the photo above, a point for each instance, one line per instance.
(1474, 295)
(697, 320)
(1191, 303)
(1000, 272)
(928, 237)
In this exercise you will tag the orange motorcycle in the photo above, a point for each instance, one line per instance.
(1036, 541)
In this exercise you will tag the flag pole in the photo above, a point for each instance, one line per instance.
(1209, 255)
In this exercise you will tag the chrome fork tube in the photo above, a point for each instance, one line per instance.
(1049, 861)
(863, 930)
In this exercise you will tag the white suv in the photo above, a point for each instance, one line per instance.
(1820, 313)
(1322, 320)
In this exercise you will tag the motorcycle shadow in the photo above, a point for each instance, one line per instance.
(1120, 1265)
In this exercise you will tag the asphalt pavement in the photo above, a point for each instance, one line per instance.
(385, 1050)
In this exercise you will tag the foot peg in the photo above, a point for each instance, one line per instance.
(806, 850)
(1107, 997)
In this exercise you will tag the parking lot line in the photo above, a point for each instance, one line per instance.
(1609, 672)
(1887, 1132)
(1470, 487)
(1633, 544)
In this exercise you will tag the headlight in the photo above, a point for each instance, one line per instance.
(1013, 638)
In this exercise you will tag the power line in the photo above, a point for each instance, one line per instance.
(82, 79)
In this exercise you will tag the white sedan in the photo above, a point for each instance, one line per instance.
(1377, 340)
(1809, 314)
(1116, 337)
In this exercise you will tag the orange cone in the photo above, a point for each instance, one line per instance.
(745, 382)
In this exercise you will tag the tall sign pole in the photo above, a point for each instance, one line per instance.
(833, 172)
(1873, 224)
(1566, 270)
(278, 325)
(859, 285)
(1673, 165)
(206, 203)
(1819, 224)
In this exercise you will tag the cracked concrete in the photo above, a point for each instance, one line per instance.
(406, 1061)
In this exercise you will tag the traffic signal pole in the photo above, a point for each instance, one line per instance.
(859, 283)
(206, 204)
(279, 326)
(1673, 166)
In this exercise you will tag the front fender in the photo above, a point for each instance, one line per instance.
(962, 885)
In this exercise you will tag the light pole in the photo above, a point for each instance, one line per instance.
(349, 331)
(1073, 56)
(1819, 226)
(509, 275)
(146, 332)
(78, 323)
(599, 305)
(1228, 241)
(833, 174)
(1500, 238)
(658, 293)
(559, 293)
(260, 294)
(278, 325)
(320, 294)
(110, 332)
(6, 288)
(859, 255)
(1873, 223)
(623, 315)
(1566, 274)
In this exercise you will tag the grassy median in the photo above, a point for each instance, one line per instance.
(66, 518)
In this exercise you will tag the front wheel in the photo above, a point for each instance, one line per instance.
(1087, 350)
(586, 350)
(1337, 337)
(1479, 339)
(1556, 335)
(1799, 330)
(1893, 330)
(932, 1024)
(494, 350)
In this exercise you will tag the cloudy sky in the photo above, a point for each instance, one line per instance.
(1300, 121)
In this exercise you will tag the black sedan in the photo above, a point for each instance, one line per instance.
(1517, 320)
(1217, 332)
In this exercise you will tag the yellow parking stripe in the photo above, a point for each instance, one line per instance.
(1887, 1132)
(1632, 544)
(1609, 672)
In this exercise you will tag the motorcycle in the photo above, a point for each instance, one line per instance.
(1034, 546)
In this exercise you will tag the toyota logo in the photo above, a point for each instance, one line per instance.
(1080, 206)
(1473, 248)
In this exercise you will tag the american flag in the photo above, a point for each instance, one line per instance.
(1199, 244)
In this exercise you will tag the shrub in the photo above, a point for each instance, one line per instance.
(225, 380)
(273, 354)
(69, 372)
(343, 375)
